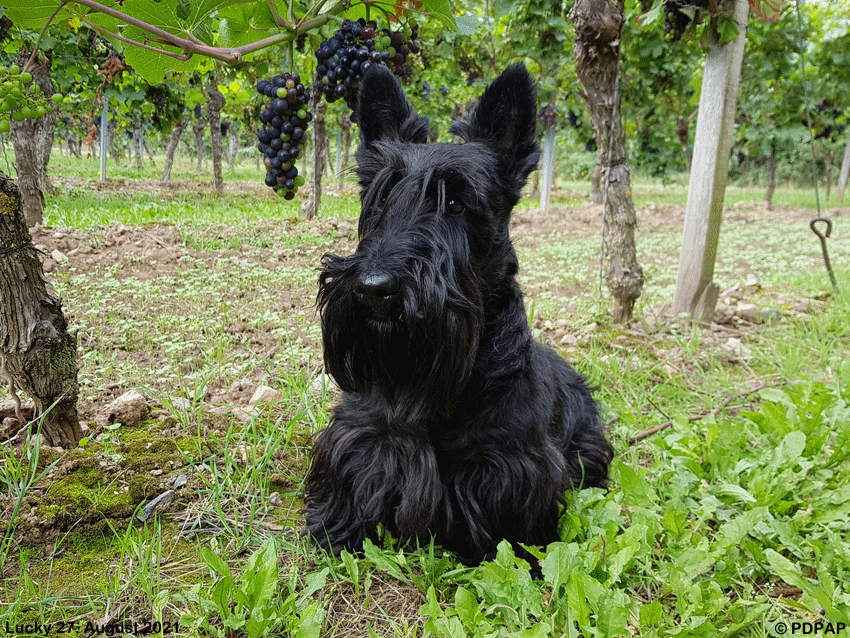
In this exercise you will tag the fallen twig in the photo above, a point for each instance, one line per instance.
(699, 417)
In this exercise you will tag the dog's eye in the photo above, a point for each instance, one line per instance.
(454, 207)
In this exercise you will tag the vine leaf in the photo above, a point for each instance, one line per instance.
(29, 14)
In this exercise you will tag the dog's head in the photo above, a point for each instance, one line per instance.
(405, 311)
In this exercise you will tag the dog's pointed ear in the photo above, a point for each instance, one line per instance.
(505, 120)
(383, 111)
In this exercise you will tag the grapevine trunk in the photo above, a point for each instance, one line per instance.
(597, 28)
(38, 354)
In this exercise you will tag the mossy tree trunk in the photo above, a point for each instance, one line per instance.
(597, 43)
(38, 354)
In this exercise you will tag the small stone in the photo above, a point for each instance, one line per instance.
(130, 409)
(156, 505)
(748, 312)
(178, 481)
(264, 394)
(274, 499)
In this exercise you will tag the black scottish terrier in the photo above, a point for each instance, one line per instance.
(454, 422)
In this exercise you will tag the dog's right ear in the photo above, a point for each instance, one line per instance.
(383, 111)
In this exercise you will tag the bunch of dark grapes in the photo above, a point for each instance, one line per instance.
(678, 15)
(548, 116)
(344, 59)
(285, 120)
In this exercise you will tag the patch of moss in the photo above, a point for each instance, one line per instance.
(146, 453)
(144, 486)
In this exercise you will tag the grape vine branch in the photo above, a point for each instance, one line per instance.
(191, 45)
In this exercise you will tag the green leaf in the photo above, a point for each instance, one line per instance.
(215, 562)
(651, 614)
(577, 599)
(733, 532)
(220, 596)
(313, 582)
(152, 66)
(790, 573)
(651, 16)
(259, 580)
(29, 14)
(467, 24)
(469, 611)
(441, 11)
(312, 618)
(353, 571)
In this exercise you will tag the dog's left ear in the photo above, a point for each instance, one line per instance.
(383, 111)
(505, 120)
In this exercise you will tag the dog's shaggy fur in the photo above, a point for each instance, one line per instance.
(454, 422)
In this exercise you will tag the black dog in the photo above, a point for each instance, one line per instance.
(453, 422)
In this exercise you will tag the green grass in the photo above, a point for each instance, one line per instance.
(733, 518)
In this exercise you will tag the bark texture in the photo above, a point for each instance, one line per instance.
(38, 354)
(173, 142)
(597, 30)
(215, 102)
(198, 129)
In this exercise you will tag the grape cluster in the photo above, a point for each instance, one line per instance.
(548, 116)
(344, 58)
(678, 15)
(285, 120)
(21, 101)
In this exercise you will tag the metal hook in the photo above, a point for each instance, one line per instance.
(822, 236)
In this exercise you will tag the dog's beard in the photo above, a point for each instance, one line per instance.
(417, 354)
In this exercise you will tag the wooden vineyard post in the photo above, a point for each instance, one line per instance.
(696, 293)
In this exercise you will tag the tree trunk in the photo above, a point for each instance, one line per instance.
(215, 102)
(696, 293)
(310, 208)
(345, 124)
(173, 142)
(684, 139)
(198, 129)
(595, 196)
(24, 136)
(597, 31)
(233, 147)
(110, 142)
(37, 354)
(138, 141)
(771, 175)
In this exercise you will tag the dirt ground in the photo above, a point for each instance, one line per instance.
(154, 251)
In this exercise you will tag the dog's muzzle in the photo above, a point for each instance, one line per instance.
(379, 292)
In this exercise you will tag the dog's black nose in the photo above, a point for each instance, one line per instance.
(377, 289)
